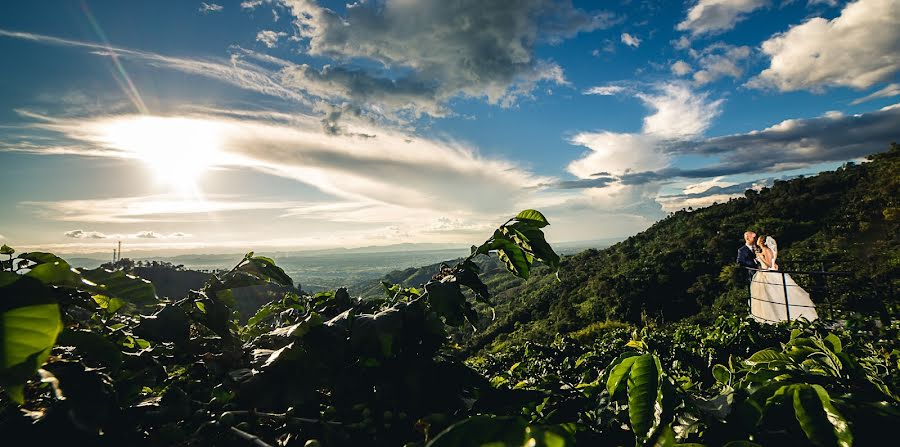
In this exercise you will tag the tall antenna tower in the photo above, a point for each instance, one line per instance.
(120, 250)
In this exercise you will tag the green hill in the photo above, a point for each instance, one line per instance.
(683, 266)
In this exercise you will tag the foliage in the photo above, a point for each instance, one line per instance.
(104, 362)
(817, 385)
(682, 267)
(324, 366)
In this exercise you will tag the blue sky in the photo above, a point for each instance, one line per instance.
(290, 124)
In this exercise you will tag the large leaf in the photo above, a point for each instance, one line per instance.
(767, 356)
(618, 373)
(539, 247)
(29, 324)
(517, 261)
(820, 421)
(121, 285)
(533, 217)
(446, 298)
(644, 410)
(265, 268)
(51, 269)
(467, 275)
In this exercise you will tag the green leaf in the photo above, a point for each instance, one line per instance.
(52, 270)
(644, 409)
(446, 298)
(820, 421)
(121, 285)
(533, 217)
(300, 329)
(721, 374)
(539, 247)
(618, 373)
(6, 250)
(466, 274)
(265, 268)
(29, 324)
(111, 305)
(517, 261)
(834, 342)
(767, 356)
(39, 257)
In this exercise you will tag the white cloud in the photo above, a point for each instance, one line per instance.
(473, 48)
(675, 203)
(703, 186)
(682, 43)
(720, 60)
(716, 16)
(605, 90)
(679, 112)
(470, 48)
(857, 49)
(888, 91)
(251, 4)
(81, 234)
(616, 153)
(681, 68)
(146, 234)
(386, 167)
(156, 208)
(207, 8)
(631, 41)
(831, 3)
(269, 38)
(235, 71)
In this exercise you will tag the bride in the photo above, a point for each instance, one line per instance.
(767, 289)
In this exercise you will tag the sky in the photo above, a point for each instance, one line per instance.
(184, 126)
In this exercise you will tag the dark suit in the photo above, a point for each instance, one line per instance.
(746, 257)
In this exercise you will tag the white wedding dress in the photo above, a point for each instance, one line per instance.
(767, 297)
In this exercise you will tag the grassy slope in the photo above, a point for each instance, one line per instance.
(683, 267)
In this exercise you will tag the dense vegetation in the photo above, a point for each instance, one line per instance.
(91, 357)
(683, 267)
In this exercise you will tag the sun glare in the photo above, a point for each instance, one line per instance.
(177, 150)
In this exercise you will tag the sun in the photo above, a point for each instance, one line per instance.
(178, 150)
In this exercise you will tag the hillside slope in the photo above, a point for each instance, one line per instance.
(683, 266)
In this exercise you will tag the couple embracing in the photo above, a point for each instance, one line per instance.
(774, 296)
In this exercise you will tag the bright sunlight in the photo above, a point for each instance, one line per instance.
(177, 150)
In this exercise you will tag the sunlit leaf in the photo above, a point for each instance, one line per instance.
(820, 421)
(265, 268)
(533, 217)
(618, 374)
(29, 324)
(643, 396)
(121, 285)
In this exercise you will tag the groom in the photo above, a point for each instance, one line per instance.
(746, 256)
